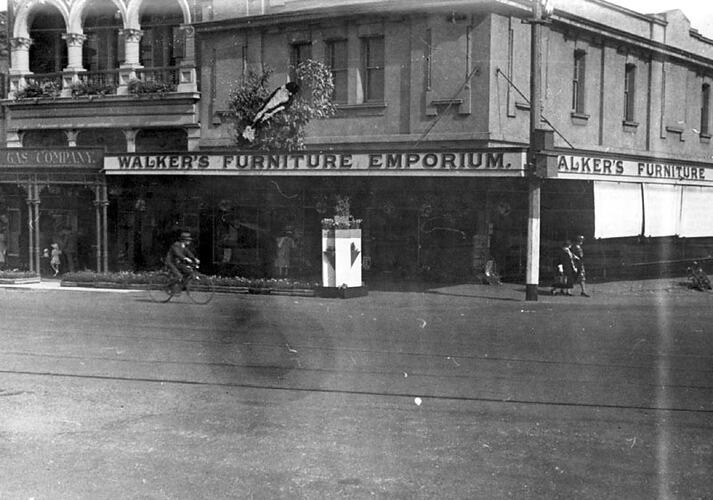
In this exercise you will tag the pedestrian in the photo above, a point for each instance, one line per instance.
(285, 244)
(565, 270)
(578, 254)
(3, 249)
(69, 247)
(55, 258)
(45, 267)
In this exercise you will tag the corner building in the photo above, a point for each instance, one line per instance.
(429, 141)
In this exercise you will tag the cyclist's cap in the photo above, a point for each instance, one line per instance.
(186, 236)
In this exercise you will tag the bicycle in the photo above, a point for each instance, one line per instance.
(164, 285)
(697, 278)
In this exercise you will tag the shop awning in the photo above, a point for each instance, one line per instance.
(618, 209)
(696, 212)
(662, 209)
(622, 209)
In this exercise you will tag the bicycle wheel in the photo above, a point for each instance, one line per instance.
(161, 287)
(200, 288)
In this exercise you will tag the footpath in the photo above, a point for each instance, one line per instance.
(671, 286)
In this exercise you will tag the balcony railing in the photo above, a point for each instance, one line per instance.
(167, 77)
(41, 85)
(158, 80)
(105, 78)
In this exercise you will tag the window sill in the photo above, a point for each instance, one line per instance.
(522, 105)
(364, 109)
(705, 138)
(579, 118)
(629, 125)
(676, 130)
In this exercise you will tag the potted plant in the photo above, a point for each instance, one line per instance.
(82, 88)
(35, 90)
(341, 252)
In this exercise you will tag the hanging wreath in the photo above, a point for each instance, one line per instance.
(225, 205)
(504, 208)
(425, 210)
(389, 208)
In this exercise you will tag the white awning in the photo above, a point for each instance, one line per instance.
(618, 209)
(662, 209)
(696, 212)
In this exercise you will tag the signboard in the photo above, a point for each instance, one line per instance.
(490, 162)
(20, 158)
(649, 171)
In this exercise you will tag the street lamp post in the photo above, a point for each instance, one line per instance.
(540, 13)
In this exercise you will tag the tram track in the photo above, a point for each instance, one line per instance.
(434, 397)
(386, 348)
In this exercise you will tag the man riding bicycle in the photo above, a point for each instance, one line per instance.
(179, 257)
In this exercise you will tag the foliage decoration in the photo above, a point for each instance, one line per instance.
(34, 89)
(82, 88)
(150, 87)
(285, 130)
(342, 216)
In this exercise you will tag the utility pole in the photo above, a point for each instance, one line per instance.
(540, 13)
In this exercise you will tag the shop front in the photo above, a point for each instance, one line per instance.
(424, 215)
(53, 196)
(641, 215)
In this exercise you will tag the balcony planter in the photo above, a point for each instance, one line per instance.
(150, 88)
(90, 90)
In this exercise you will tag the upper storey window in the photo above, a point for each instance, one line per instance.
(338, 64)
(48, 52)
(101, 49)
(372, 51)
(629, 92)
(299, 52)
(162, 41)
(706, 109)
(578, 82)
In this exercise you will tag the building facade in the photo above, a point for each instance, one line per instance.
(428, 143)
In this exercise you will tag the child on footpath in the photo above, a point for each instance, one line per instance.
(55, 258)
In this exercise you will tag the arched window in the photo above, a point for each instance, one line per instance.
(44, 139)
(48, 52)
(102, 49)
(114, 141)
(162, 43)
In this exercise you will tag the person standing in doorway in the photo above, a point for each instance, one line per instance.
(55, 258)
(285, 244)
(578, 255)
(3, 241)
(69, 248)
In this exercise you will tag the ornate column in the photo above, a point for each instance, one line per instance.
(75, 42)
(36, 203)
(105, 226)
(14, 139)
(31, 226)
(97, 213)
(20, 56)
(127, 70)
(130, 135)
(72, 137)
